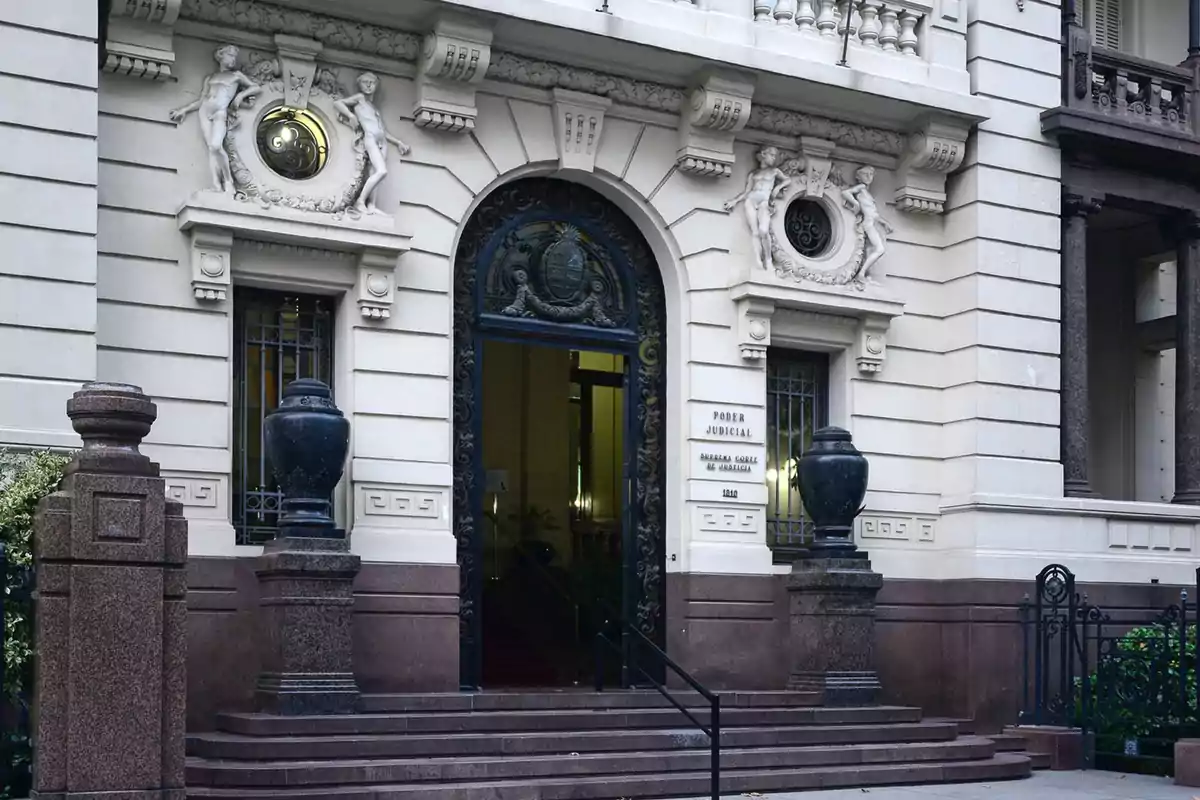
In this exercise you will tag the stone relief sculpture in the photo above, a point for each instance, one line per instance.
(808, 222)
(360, 113)
(763, 186)
(226, 89)
(859, 199)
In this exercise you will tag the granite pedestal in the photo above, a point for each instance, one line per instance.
(831, 606)
(111, 617)
(1187, 762)
(306, 607)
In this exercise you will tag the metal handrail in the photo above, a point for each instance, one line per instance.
(712, 730)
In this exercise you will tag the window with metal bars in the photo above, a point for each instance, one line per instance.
(278, 337)
(797, 405)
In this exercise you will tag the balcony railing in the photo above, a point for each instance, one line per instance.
(1131, 90)
(892, 27)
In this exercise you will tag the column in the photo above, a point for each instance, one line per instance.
(1073, 357)
(1187, 364)
(1193, 28)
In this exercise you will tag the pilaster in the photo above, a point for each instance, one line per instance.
(1076, 416)
(1187, 364)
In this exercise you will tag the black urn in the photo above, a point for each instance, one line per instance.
(307, 438)
(832, 479)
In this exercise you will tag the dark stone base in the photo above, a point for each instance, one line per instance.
(832, 629)
(303, 695)
(128, 794)
(306, 618)
(1187, 762)
(1063, 745)
(843, 689)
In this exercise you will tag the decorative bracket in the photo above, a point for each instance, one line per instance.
(376, 283)
(870, 347)
(717, 108)
(754, 327)
(818, 163)
(140, 38)
(934, 151)
(297, 58)
(210, 263)
(578, 121)
(454, 59)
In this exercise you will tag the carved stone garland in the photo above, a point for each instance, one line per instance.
(544, 250)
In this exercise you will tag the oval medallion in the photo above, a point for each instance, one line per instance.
(562, 265)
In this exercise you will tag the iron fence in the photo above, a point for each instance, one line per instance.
(1126, 679)
(16, 684)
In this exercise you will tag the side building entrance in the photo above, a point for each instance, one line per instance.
(559, 451)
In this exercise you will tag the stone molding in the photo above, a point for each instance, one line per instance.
(578, 123)
(214, 220)
(504, 67)
(869, 313)
(454, 58)
(139, 41)
(717, 108)
(934, 151)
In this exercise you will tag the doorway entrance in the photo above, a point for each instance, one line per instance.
(559, 457)
(554, 500)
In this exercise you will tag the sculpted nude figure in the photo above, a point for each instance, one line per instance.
(859, 199)
(360, 113)
(763, 185)
(226, 88)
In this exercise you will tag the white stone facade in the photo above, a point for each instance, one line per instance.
(119, 260)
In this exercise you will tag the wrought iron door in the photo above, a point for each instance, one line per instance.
(544, 260)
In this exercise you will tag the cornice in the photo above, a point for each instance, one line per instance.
(374, 40)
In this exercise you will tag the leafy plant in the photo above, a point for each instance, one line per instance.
(1138, 689)
(24, 480)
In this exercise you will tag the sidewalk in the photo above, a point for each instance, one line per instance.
(1042, 786)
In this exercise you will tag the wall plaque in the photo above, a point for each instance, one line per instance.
(729, 462)
(727, 423)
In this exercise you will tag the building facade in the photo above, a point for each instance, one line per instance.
(584, 274)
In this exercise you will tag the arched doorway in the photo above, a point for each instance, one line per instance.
(551, 279)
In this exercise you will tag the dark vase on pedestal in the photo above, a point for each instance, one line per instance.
(832, 480)
(307, 438)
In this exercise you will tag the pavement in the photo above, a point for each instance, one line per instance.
(1091, 785)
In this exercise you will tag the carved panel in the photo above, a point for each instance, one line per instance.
(381, 502)
(1145, 535)
(193, 492)
(744, 521)
(896, 528)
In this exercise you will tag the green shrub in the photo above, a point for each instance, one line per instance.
(1135, 692)
(24, 480)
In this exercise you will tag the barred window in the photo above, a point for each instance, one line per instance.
(797, 405)
(278, 337)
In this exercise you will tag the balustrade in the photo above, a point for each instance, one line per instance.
(874, 24)
(1136, 90)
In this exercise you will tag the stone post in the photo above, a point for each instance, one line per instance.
(1076, 414)
(111, 618)
(1187, 364)
(831, 593)
(306, 574)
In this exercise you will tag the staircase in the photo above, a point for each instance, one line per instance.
(580, 746)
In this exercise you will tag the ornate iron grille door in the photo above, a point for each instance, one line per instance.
(797, 405)
(551, 261)
(278, 338)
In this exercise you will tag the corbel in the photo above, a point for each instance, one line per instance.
(210, 263)
(298, 62)
(870, 347)
(140, 38)
(454, 59)
(754, 327)
(818, 163)
(934, 151)
(376, 283)
(718, 107)
(578, 121)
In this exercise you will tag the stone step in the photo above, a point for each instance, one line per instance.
(680, 784)
(574, 699)
(552, 720)
(231, 747)
(459, 769)
(1008, 742)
